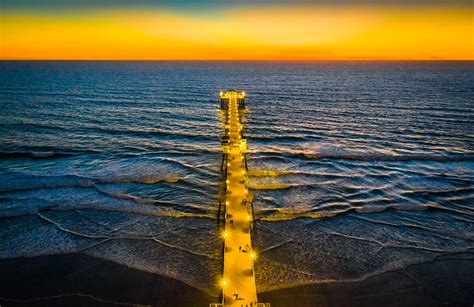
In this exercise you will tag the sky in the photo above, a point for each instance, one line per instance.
(237, 30)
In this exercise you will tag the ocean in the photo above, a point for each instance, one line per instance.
(356, 169)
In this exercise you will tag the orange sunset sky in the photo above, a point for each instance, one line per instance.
(266, 30)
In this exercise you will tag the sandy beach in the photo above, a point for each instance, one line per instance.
(80, 280)
(448, 281)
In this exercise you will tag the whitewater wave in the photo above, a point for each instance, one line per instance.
(145, 209)
(286, 214)
(269, 186)
(388, 268)
(39, 155)
(332, 152)
(50, 182)
(149, 179)
(111, 236)
(389, 158)
(266, 179)
(267, 173)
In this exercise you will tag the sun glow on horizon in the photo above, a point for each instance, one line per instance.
(278, 32)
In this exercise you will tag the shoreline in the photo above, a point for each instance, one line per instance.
(82, 280)
(442, 282)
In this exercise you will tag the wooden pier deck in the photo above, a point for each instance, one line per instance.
(238, 281)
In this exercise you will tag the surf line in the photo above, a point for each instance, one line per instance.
(238, 279)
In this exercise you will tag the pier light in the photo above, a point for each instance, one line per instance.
(226, 202)
(228, 164)
(221, 93)
(252, 257)
(243, 172)
(243, 93)
(224, 283)
(226, 234)
(246, 191)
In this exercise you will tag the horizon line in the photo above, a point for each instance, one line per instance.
(248, 60)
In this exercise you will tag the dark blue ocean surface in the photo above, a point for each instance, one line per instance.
(356, 167)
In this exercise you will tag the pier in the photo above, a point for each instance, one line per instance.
(238, 279)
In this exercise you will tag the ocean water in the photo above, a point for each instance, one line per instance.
(356, 168)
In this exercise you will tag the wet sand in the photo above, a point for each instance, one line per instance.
(81, 280)
(444, 282)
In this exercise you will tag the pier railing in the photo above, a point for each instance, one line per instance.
(238, 279)
(255, 305)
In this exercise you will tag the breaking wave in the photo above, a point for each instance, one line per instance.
(269, 186)
(389, 158)
(35, 155)
(51, 182)
(267, 172)
(287, 214)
